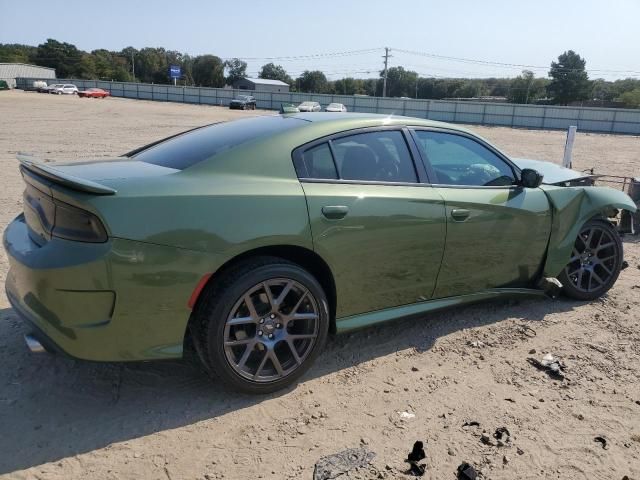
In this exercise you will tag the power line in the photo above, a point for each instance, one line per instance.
(503, 64)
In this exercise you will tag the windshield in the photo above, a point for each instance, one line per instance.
(195, 146)
(243, 98)
(307, 104)
(335, 105)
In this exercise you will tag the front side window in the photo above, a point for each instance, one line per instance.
(459, 160)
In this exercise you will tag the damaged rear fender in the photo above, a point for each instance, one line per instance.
(571, 208)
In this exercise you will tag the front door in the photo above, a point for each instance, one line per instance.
(497, 230)
(380, 230)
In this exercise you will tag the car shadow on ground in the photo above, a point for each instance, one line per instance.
(53, 407)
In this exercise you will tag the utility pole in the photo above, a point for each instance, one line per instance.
(386, 64)
(133, 67)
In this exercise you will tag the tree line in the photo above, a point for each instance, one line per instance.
(567, 82)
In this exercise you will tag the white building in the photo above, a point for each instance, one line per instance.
(10, 71)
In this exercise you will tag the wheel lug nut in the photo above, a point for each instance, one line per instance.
(261, 321)
(273, 315)
(259, 333)
(278, 325)
(271, 335)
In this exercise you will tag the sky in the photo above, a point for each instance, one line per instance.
(347, 37)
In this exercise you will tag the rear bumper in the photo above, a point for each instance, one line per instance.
(115, 301)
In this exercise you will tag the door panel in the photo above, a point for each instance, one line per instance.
(496, 237)
(384, 243)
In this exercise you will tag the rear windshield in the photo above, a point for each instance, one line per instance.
(189, 148)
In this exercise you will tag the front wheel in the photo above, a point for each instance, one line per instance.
(595, 263)
(262, 325)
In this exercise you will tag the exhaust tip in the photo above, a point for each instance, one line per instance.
(34, 345)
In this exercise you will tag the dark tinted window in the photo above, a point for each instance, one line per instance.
(317, 162)
(376, 156)
(459, 160)
(195, 146)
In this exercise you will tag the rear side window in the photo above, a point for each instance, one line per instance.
(195, 146)
(376, 156)
(317, 162)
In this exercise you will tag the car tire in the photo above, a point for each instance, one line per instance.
(257, 355)
(594, 266)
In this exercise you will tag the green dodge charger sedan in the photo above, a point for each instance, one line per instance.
(253, 240)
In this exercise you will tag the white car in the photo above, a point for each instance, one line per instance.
(309, 107)
(67, 89)
(335, 107)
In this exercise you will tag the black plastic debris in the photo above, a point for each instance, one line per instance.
(417, 453)
(602, 441)
(333, 466)
(502, 433)
(472, 423)
(551, 365)
(466, 472)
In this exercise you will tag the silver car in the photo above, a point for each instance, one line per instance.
(67, 89)
(309, 107)
(335, 107)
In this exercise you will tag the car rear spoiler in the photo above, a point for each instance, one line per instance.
(37, 166)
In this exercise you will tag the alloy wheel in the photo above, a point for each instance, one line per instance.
(271, 330)
(593, 260)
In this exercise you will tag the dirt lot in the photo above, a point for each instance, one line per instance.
(64, 419)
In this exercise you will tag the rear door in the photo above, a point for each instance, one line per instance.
(497, 230)
(381, 231)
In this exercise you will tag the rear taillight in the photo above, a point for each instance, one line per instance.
(47, 217)
(73, 223)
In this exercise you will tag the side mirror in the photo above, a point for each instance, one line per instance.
(530, 178)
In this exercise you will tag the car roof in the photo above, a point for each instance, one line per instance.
(360, 120)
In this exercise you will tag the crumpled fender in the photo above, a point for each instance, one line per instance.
(571, 208)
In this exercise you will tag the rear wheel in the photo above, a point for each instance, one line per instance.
(595, 263)
(262, 326)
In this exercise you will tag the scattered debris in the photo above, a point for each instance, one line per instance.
(332, 466)
(406, 415)
(603, 441)
(551, 365)
(466, 472)
(472, 423)
(520, 451)
(417, 454)
(502, 435)
(510, 400)
(526, 330)
(486, 439)
(414, 369)
(532, 351)
(476, 344)
(505, 459)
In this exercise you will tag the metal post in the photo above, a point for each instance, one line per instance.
(484, 112)
(568, 146)
(386, 64)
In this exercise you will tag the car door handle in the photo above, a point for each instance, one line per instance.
(460, 214)
(335, 212)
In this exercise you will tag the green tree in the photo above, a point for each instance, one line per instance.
(525, 88)
(271, 71)
(569, 79)
(64, 57)
(208, 71)
(400, 82)
(16, 53)
(312, 82)
(237, 69)
(631, 98)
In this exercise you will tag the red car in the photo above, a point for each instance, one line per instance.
(94, 93)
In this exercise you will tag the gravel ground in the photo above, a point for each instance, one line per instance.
(65, 419)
